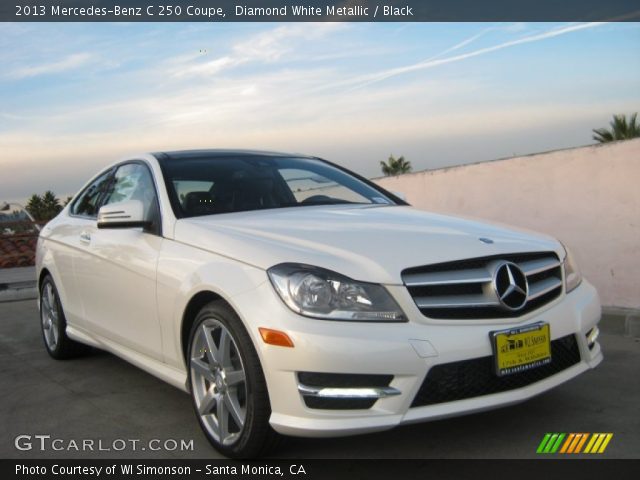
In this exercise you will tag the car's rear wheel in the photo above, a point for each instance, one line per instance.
(227, 384)
(54, 324)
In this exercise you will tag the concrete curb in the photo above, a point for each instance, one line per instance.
(620, 321)
(11, 292)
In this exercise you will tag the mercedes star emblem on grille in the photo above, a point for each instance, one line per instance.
(510, 285)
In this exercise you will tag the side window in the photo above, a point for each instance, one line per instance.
(87, 204)
(133, 181)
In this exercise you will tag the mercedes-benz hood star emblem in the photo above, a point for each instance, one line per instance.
(510, 285)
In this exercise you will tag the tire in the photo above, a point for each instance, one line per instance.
(226, 382)
(53, 324)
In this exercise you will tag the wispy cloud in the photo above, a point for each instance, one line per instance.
(511, 28)
(68, 63)
(461, 44)
(360, 82)
(264, 47)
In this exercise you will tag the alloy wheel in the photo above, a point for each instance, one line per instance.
(218, 382)
(49, 316)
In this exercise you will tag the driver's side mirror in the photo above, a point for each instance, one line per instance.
(127, 214)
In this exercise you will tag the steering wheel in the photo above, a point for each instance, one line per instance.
(317, 199)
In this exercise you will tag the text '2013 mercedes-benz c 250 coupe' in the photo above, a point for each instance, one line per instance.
(290, 296)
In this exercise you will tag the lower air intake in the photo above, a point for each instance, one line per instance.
(474, 378)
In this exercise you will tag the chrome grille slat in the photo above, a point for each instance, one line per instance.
(533, 267)
(544, 286)
(466, 289)
(455, 301)
(477, 275)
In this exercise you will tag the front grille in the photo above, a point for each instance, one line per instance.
(474, 378)
(464, 289)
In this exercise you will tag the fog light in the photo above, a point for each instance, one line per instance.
(592, 336)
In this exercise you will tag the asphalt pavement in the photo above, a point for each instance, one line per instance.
(124, 412)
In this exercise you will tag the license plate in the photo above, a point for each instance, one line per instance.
(519, 349)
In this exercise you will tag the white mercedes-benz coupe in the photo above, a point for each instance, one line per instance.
(290, 296)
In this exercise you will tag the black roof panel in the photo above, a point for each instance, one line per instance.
(213, 153)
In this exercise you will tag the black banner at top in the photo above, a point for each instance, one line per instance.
(319, 11)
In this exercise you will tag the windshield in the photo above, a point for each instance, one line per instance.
(212, 185)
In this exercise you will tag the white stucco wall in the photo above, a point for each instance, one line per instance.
(588, 197)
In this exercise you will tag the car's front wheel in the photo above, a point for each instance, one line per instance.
(227, 384)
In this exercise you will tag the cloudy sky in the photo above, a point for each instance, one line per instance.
(74, 97)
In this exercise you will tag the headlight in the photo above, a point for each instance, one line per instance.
(319, 293)
(572, 277)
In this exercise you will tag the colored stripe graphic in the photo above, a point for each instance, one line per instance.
(573, 443)
(591, 442)
(550, 443)
(598, 443)
(567, 442)
(543, 443)
(556, 446)
(605, 443)
(581, 442)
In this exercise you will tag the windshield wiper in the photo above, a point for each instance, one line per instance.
(318, 203)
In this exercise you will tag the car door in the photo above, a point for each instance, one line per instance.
(68, 240)
(116, 276)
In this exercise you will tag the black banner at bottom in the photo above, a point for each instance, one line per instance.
(320, 469)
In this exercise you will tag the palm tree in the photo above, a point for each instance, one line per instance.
(621, 129)
(395, 166)
(45, 207)
(51, 204)
(35, 207)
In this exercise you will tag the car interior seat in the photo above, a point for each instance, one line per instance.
(198, 203)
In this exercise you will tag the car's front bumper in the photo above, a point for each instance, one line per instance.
(405, 350)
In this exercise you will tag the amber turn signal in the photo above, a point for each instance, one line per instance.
(275, 337)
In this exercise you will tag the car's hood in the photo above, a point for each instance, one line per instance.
(369, 243)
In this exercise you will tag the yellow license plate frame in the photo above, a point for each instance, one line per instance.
(519, 349)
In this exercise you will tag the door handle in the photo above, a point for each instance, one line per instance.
(85, 237)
